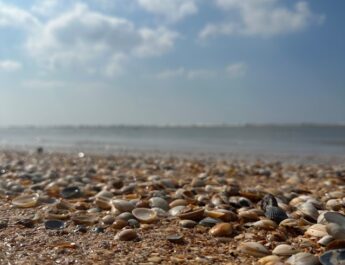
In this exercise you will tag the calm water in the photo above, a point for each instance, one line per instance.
(301, 140)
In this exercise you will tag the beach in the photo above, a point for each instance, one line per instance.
(81, 208)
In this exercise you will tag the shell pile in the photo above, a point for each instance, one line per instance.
(77, 208)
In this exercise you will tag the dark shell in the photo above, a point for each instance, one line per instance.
(268, 200)
(175, 238)
(70, 193)
(276, 214)
(333, 257)
(209, 222)
(54, 224)
(334, 217)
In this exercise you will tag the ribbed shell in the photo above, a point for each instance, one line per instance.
(276, 214)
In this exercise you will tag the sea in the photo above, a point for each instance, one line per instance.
(244, 140)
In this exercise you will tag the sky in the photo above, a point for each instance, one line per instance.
(102, 62)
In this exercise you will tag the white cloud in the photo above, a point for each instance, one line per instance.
(81, 37)
(261, 18)
(192, 74)
(171, 73)
(45, 7)
(172, 10)
(236, 70)
(201, 74)
(155, 41)
(10, 66)
(11, 16)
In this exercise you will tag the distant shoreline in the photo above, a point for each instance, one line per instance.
(186, 126)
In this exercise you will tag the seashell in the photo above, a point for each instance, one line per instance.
(269, 260)
(333, 257)
(195, 214)
(317, 230)
(221, 230)
(334, 204)
(188, 223)
(309, 211)
(71, 192)
(178, 202)
(57, 214)
(303, 258)
(126, 235)
(336, 244)
(159, 203)
(224, 215)
(268, 200)
(253, 195)
(123, 205)
(108, 219)
(84, 218)
(175, 238)
(103, 202)
(325, 240)
(321, 218)
(145, 215)
(209, 222)
(334, 217)
(176, 210)
(336, 231)
(160, 212)
(54, 224)
(239, 202)
(276, 214)
(26, 201)
(284, 250)
(265, 224)
(253, 249)
(119, 224)
(125, 216)
(248, 215)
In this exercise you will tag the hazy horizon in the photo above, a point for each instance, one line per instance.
(177, 62)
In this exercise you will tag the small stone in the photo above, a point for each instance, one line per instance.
(98, 229)
(71, 193)
(80, 228)
(119, 224)
(54, 224)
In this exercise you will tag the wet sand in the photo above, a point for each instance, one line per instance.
(227, 190)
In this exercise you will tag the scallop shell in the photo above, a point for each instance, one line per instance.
(253, 249)
(145, 215)
(26, 201)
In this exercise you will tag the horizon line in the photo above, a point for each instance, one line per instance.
(168, 125)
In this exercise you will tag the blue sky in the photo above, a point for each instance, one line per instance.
(171, 61)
